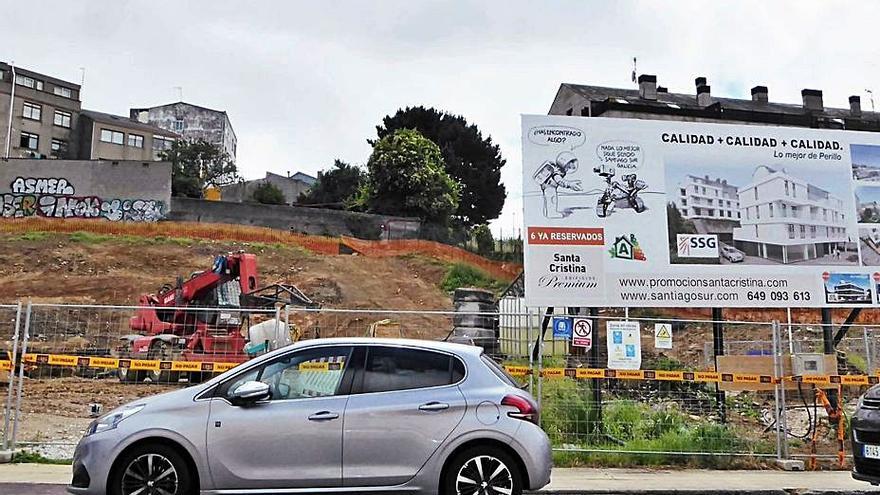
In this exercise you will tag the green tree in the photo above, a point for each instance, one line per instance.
(406, 177)
(268, 194)
(677, 224)
(335, 186)
(483, 236)
(196, 165)
(471, 160)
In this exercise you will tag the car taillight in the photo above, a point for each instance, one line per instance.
(525, 409)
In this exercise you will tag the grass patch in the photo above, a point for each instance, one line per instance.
(633, 433)
(858, 362)
(464, 275)
(31, 236)
(27, 457)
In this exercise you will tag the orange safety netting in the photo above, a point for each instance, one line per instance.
(445, 252)
(243, 233)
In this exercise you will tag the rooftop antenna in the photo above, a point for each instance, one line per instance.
(634, 70)
(82, 81)
(871, 97)
(179, 92)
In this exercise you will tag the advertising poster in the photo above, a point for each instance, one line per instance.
(639, 213)
(624, 345)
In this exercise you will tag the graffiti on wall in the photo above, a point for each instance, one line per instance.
(56, 198)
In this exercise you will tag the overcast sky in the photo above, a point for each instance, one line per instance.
(305, 83)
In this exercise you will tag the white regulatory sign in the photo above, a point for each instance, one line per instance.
(582, 333)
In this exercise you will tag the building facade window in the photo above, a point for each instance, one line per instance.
(28, 82)
(29, 141)
(62, 118)
(135, 141)
(790, 231)
(786, 188)
(62, 91)
(758, 212)
(179, 125)
(803, 231)
(771, 210)
(111, 136)
(31, 111)
(756, 193)
(162, 143)
(59, 148)
(756, 231)
(813, 231)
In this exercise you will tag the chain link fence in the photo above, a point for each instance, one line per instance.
(632, 389)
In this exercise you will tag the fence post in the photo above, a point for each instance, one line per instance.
(529, 351)
(718, 348)
(540, 352)
(868, 357)
(24, 344)
(777, 373)
(8, 407)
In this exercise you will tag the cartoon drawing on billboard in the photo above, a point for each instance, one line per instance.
(551, 176)
(623, 194)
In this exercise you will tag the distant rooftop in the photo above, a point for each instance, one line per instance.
(109, 118)
(653, 99)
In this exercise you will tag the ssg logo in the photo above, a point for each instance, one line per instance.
(697, 245)
(627, 248)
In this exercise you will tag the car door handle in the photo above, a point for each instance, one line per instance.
(323, 416)
(434, 406)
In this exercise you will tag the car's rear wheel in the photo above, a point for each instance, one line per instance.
(152, 469)
(482, 471)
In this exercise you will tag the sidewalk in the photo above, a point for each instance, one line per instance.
(599, 481)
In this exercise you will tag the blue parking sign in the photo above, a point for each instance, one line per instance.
(562, 327)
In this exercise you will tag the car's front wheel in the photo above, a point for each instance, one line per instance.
(152, 469)
(482, 471)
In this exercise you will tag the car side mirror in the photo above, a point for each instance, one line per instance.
(249, 392)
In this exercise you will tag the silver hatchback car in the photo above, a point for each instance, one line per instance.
(331, 415)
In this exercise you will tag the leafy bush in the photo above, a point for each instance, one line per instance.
(464, 275)
(268, 194)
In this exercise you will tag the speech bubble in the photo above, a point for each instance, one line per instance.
(625, 155)
(557, 135)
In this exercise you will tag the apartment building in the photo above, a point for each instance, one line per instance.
(785, 219)
(45, 112)
(191, 122)
(705, 198)
(104, 136)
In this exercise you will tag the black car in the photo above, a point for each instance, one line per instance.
(866, 437)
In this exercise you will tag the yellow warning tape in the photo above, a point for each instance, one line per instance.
(691, 376)
(5, 365)
(73, 361)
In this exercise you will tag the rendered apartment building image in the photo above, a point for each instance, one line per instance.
(705, 198)
(784, 218)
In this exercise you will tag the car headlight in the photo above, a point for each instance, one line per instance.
(110, 421)
(861, 401)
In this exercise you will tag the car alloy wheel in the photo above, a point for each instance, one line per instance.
(484, 475)
(150, 474)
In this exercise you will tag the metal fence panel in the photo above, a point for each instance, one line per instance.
(9, 339)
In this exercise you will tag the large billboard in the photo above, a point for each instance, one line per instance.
(624, 212)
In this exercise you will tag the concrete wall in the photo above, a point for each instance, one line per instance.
(129, 191)
(244, 191)
(316, 221)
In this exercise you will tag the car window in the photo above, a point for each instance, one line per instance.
(307, 373)
(395, 368)
(499, 371)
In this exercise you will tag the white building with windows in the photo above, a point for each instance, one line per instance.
(707, 199)
(783, 218)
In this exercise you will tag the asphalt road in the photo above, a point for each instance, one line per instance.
(30, 489)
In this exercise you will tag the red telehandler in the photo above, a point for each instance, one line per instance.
(169, 327)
